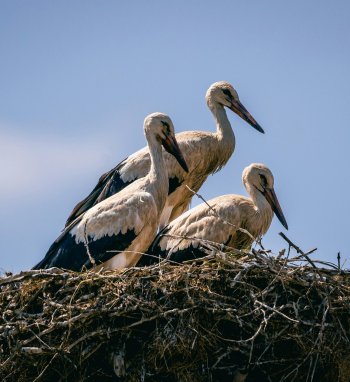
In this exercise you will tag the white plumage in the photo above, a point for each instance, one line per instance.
(204, 152)
(115, 232)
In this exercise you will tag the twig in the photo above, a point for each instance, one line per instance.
(86, 244)
(46, 367)
(276, 311)
(298, 249)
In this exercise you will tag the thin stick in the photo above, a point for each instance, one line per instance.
(298, 249)
(86, 244)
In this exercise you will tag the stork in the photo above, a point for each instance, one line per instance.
(232, 221)
(205, 153)
(115, 232)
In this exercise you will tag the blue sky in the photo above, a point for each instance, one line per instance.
(77, 79)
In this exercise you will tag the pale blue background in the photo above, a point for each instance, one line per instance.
(78, 77)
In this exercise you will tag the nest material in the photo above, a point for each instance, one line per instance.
(227, 318)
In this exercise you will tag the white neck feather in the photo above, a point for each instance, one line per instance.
(262, 207)
(224, 130)
(158, 174)
(157, 169)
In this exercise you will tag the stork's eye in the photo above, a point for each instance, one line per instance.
(263, 180)
(227, 93)
(167, 127)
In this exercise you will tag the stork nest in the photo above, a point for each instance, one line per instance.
(227, 318)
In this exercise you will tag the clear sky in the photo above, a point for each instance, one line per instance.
(77, 79)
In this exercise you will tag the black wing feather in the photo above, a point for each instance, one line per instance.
(152, 255)
(190, 253)
(56, 245)
(174, 183)
(109, 184)
(66, 253)
(181, 255)
(155, 254)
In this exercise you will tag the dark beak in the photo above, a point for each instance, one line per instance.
(271, 197)
(171, 146)
(240, 110)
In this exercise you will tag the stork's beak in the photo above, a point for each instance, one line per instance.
(171, 146)
(239, 109)
(271, 197)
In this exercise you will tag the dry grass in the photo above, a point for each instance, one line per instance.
(218, 320)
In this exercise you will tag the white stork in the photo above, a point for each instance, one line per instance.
(205, 153)
(226, 222)
(115, 232)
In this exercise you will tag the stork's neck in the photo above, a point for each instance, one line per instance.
(224, 130)
(262, 206)
(158, 174)
(158, 169)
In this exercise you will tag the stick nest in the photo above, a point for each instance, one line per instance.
(227, 318)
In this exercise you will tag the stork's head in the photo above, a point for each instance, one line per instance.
(258, 178)
(159, 126)
(224, 94)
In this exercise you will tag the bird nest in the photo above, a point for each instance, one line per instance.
(249, 317)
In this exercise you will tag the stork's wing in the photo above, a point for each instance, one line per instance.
(101, 233)
(126, 172)
(66, 253)
(186, 237)
(51, 254)
(108, 184)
